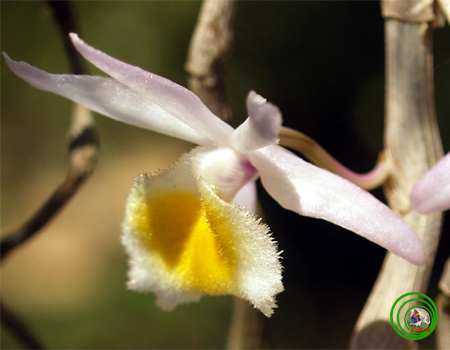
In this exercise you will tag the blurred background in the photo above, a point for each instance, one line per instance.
(322, 63)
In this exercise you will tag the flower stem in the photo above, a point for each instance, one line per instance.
(319, 156)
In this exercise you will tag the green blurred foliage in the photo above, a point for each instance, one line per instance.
(322, 63)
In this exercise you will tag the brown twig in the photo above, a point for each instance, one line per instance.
(65, 18)
(83, 148)
(413, 143)
(208, 54)
(83, 145)
(249, 328)
(443, 305)
(18, 328)
(83, 152)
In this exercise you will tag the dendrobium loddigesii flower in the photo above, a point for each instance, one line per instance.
(432, 192)
(190, 230)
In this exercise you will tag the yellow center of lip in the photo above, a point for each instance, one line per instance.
(191, 239)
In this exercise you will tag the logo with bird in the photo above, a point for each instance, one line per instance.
(419, 317)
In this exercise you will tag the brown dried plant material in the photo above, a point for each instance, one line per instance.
(443, 305)
(208, 54)
(83, 148)
(83, 155)
(412, 141)
(417, 11)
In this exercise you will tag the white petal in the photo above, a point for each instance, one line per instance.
(171, 97)
(225, 170)
(261, 127)
(432, 192)
(308, 190)
(109, 97)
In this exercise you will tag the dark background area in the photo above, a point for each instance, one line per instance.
(321, 63)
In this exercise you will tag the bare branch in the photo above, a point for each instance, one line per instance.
(64, 15)
(413, 143)
(249, 328)
(83, 155)
(208, 54)
(83, 148)
(18, 328)
(443, 305)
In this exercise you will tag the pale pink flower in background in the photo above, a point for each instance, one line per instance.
(190, 230)
(432, 192)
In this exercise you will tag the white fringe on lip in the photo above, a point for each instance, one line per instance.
(244, 244)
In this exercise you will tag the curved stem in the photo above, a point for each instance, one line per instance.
(83, 147)
(65, 17)
(320, 157)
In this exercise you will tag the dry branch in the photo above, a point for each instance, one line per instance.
(412, 141)
(83, 148)
(83, 153)
(17, 328)
(443, 305)
(208, 54)
(83, 144)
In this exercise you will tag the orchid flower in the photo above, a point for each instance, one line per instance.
(432, 192)
(190, 230)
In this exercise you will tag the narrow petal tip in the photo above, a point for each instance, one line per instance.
(74, 36)
(108, 97)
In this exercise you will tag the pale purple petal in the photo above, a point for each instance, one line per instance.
(109, 97)
(171, 97)
(432, 192)
(311, 191)
(261, 127)
(247, 197)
